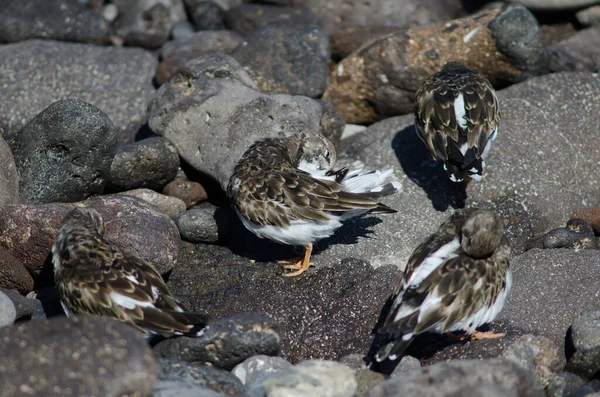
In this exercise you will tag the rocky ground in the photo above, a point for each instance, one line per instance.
(140, 109)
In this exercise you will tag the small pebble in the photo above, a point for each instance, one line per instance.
(203, 224)
(254, 366)
(171, 206)
(219, 380)
(24, 307)
(190, 192)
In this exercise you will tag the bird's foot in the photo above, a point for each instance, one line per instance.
(477, 335)
(299, 266)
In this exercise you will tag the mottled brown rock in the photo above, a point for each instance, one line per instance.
(83, 356)
(13, 274)
(590, 215)
(27, 231)
(348, 39)
(380, 79)
(190, 192)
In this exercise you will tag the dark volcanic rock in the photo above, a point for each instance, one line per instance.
(227, 342)
(585, 339)
(247, 18)
(204, 223)
(27, 231)
(116, 80)
(456, 377)
(75, 357)
(150, 163)
(206, 14)
(564, 384)
(67, 20)
(211, 107)
(340, 13)
(578, 234)
(554, 5)
(380, 79)
(343, 300)
(177, 53)
(583, 48)
(286, 60)
(147, 23)
(201, 375)
(13, 275)
(64, 153)
(538, 354)
(9, 177)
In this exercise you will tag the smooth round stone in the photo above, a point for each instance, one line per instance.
(255, 366)
(554, 5)
(227, 342)
(313, 378)
(190, 192)
(585, 335)
(171, 206)
(202, 224)
(8, 312)
(57, 162)
(564, 384)
(24, 307)
(150, 163)
(219, 380)
(407, 364)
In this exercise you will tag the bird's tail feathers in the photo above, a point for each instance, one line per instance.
(196, 321)
(375, 184)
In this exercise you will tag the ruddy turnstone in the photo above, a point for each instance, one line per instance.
(97, 277)
(457, 116)
(456, 280)
(283, 189)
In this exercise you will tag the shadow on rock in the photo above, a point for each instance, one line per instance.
(427, 173)
(244, 243)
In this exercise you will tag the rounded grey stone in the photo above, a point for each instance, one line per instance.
(8, 312)
(312, 378)
(259, 365)
(585, 337)
(287, 60)
(67, 20)
(117, 80)
(211, 107)
(204, 223)
(82, 356)
(24, 307)
(451, 378)
(537, 354)
(554, 5)
(219, 380)
(150, 163)
(227, 342)
(564, 384)
(64, 153)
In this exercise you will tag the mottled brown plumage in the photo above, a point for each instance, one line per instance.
(97, 277)
(455, 280)
(457, 116)
(282, 190)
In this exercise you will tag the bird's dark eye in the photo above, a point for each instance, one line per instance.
(327, 154)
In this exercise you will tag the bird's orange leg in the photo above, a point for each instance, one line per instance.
(300, 266)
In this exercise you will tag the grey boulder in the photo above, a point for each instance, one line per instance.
(64, 153)
(116, 80)
(75, 357)
(211, 107)
(9, 176)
